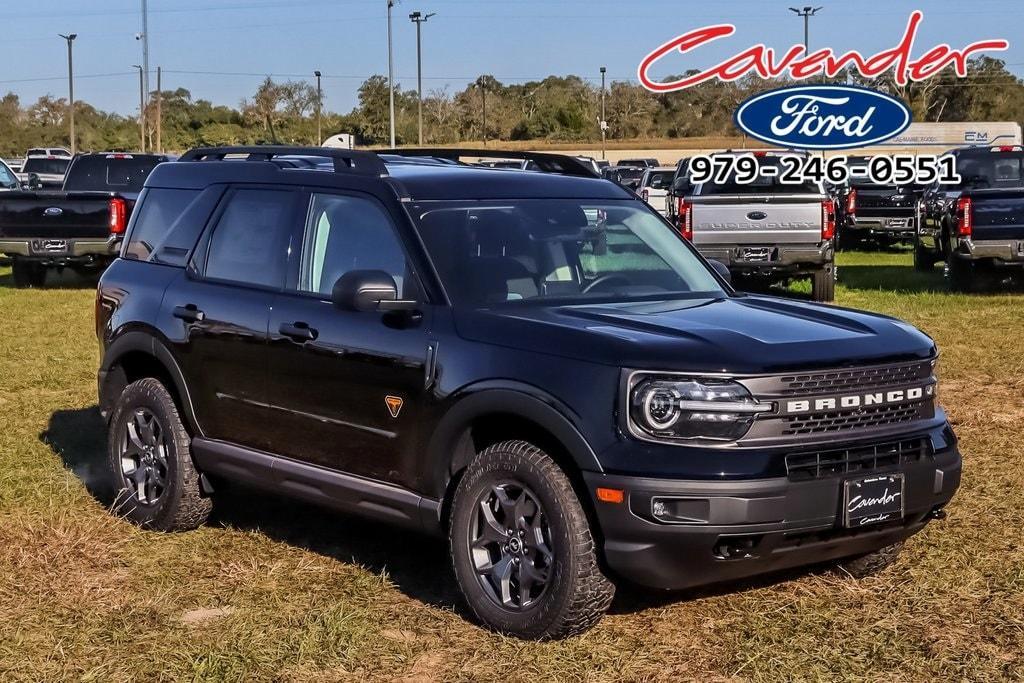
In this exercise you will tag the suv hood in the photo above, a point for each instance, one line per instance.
(742, 334)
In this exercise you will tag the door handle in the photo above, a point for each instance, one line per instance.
(190, 313)
(298, 331)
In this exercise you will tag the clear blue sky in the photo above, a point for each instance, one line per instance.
(221, 49)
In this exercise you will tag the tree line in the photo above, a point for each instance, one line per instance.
(557, 108)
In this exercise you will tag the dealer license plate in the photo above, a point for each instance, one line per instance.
(873, 500)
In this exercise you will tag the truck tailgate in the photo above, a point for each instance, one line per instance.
(998, 214)
(54, 214)
(757, 219)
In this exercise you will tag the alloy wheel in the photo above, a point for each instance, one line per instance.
(144, 456)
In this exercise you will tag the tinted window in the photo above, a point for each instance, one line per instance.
(345, 234)
(110, 173)
(157, 217)
(54, 166)
(250, 242)
(659, 180)
(7, 179)
(991, 169)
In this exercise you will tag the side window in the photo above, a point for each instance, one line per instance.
(345, 234)
(250, 241)
(158, 214)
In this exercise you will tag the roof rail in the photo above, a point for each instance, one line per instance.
(345, 160)
(562, 164)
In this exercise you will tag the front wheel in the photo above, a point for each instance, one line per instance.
(522, 548)
(924, 260)
(823, 285)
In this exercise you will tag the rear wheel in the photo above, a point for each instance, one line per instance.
(924, 260)
(28, 273)
(522, 548)
(151, 461)
(823, 284)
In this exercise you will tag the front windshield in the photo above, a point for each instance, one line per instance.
(532, 250)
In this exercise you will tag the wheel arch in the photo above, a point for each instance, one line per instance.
(138, 354)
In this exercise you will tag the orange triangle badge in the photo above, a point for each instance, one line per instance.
(394, 404)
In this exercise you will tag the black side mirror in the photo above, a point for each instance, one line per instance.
(34, 183)
(368, 290)
(721, 269)
(681, 186)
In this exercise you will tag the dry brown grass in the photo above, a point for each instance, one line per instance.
(270, 590)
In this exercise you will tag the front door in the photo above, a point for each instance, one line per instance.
(347, 387)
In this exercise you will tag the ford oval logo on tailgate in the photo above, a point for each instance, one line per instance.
(53, 211)
(757, 215)
(822, 116)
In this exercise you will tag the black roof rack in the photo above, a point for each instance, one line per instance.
(345, 160)
(562, 164)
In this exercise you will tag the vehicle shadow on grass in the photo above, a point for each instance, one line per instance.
(59, 279)
(417, 564)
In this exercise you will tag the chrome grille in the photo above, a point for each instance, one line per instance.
(858, 378)
(856, 459)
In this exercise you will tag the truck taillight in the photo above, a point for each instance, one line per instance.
(828, 219)
(964, 217)
(684, 215)
(851, 202)
(118, 216)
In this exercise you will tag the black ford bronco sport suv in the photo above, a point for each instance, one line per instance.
(532, 363)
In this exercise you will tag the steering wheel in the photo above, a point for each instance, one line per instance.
(605, 279)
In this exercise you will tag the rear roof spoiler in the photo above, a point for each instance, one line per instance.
(562, 164)
(345, 160)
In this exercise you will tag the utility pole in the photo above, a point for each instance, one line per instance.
(418, 18)
(391, 78)
(142, 108)
(483, 97)
(319, 98)
(144, 37)
(71, 87)
(159, 116)
(604, 122)
(806, 13)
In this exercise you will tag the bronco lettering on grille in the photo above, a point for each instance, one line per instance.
(854, 401)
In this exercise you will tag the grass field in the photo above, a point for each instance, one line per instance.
(271, 590)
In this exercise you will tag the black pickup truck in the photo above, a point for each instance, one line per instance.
(884, 214)
(78, 226)
(976, 224)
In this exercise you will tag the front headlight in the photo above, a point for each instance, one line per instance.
(692, 408)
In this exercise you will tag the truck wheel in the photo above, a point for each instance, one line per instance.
(151, 461)
(961, 273)
(522, 549)
(867, 565)
(823, 285)
(924, 261)
(28, 273)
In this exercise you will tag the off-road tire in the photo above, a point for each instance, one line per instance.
(577, 594)
(28, 273)
(823, 285)
(181, 506)
(870, 564)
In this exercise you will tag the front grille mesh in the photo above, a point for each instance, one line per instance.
(863, 378)
(856, 459)
(879, 416)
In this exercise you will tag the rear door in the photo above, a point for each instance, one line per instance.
(218, 310)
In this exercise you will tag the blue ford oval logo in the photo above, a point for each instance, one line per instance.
(53, 211)
(822, 116)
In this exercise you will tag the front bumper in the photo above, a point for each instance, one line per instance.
(1003, 252)
(37, 248)
(768, 258)
(728, 530)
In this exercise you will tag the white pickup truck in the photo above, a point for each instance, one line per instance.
(764, 229)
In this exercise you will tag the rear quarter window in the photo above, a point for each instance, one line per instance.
(157, 233)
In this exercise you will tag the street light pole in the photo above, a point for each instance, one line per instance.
(806, 13)
(142, 108)
(604, 122)
(391, 78)
(319, 99)
(418, 18)
(71, 87)
(144, 37)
